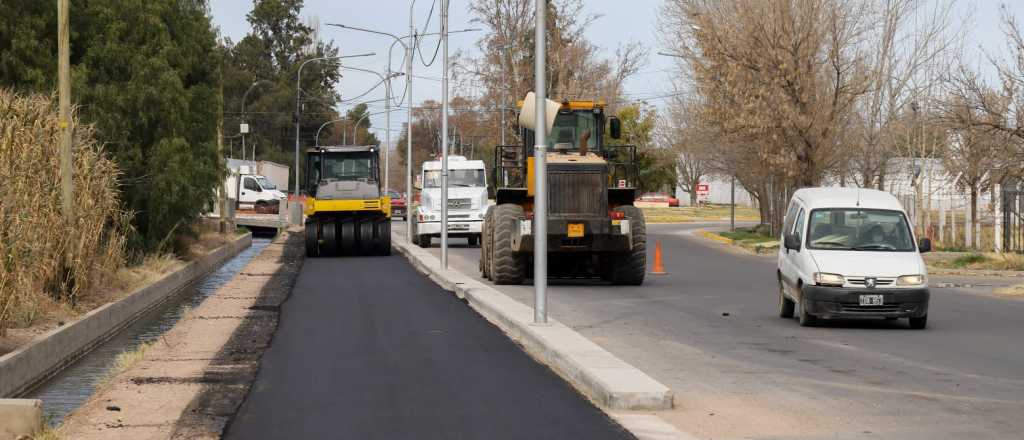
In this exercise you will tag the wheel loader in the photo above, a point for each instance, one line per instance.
(347, 213)
(593, 228)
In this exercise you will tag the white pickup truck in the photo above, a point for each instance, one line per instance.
(467, 201)
(253, 191)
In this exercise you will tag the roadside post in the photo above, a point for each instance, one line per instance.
(540, 201)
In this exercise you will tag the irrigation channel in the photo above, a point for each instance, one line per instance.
(71, 387)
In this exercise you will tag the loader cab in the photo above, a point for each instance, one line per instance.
(578, 124)
(352, 167)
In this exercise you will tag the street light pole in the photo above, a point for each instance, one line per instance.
(298, 110)
(540, 201)
(444, 136)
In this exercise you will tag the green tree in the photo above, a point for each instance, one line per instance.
(657, 165)
(146, 75)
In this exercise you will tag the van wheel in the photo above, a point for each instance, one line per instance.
(806, 319)
(919, 323)
(786, 305)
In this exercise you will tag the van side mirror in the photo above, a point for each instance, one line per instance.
(615, 127)
(792, 241)
(925, 245)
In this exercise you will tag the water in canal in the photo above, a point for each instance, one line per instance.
(72, 386)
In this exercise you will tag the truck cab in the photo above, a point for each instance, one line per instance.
(253, 191)
(467, 201)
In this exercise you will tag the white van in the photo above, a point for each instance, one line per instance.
(851, 253)
(467, 201)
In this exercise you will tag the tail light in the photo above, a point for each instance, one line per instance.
(617, 215)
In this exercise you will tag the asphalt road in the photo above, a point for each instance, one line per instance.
(710, 330)
(367, 348)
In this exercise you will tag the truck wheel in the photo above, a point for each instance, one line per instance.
(786, 305)
(347, 235)
(365, 239)
(415, 238)
(474, 240)
(261, 207)
(328, 230)
(629, 268)
(486, 244)
(424, 241)
(507, 267)
(382, 234)
(312, 239)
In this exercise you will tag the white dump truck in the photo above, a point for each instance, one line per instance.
(467, 201)
(253, 191)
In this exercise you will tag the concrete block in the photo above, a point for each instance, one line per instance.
(20, 417)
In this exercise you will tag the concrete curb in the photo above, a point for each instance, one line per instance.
(20, 417)
(595, 372)
(48, 354)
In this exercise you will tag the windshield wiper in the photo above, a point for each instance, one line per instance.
(865, 247)
(462, 185)
(830, 243)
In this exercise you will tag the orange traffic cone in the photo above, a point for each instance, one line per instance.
(659, 268)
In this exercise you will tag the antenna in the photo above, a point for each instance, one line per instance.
(858, 197)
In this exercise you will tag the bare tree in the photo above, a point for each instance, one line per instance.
(690, 141)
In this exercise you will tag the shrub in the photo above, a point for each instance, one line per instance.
(34, 235)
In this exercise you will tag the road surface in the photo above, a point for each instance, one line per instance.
(367, 348)
(710, 331)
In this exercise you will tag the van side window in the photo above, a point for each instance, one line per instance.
(787, 225)
(798, 229)
(250, 184)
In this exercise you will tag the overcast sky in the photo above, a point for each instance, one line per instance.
(621, 21)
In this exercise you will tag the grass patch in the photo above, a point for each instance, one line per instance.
(756, 239)
(969, 259)
(125, 360)
(977, 261)
(692, 214)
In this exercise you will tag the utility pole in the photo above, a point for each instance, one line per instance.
(66, 128)
(540, 199)
(444, 136)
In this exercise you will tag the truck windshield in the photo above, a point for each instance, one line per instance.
(466, 178)
(859, 230)
(266, 184)
(348, 166)
(570, 127)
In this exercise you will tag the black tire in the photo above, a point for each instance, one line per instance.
(424, 241)
(366, 237)
(630, 268)
(415, 238)
(473, 240)
(786, 305)
(806, 319)
(486, 243)
(382, 237)
(260, 207)
(919, 323)
(312, 239)
(507, 267)
(329, 234)
(347, 237)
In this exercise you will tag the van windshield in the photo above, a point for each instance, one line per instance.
(467, 178)
(859, 229)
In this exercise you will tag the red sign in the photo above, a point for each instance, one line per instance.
(703, 189)
(622, 183)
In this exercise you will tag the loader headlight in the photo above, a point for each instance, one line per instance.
(910, 280)
(828, 279)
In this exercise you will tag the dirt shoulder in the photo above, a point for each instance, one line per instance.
(191, 381)
(687, 214)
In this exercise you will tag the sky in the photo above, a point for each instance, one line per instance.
(619, 22)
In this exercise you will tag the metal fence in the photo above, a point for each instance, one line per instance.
(1012, 199)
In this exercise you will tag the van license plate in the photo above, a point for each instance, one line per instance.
(871, 300)
(575, 230)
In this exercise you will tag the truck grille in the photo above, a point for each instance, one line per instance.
(576, 193)
(460, 203)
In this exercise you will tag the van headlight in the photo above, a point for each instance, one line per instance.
(828, 279)
(910, 280)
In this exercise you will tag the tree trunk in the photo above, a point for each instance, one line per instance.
(974, 218)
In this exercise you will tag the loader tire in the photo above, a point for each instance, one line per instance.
(486, 243)
(507, 267)
(365, 240)
(382, 237)
(347, 237)
(329, 234)
(312, 239)
(629, 268)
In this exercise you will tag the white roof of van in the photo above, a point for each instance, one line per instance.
(455, 164)
(814, 198)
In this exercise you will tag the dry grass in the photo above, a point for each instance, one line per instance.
(1015, 291)
(125, 360)
(976, 261)
(50, 260)
(692, 214)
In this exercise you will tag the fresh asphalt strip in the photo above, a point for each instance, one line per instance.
(369, 348)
